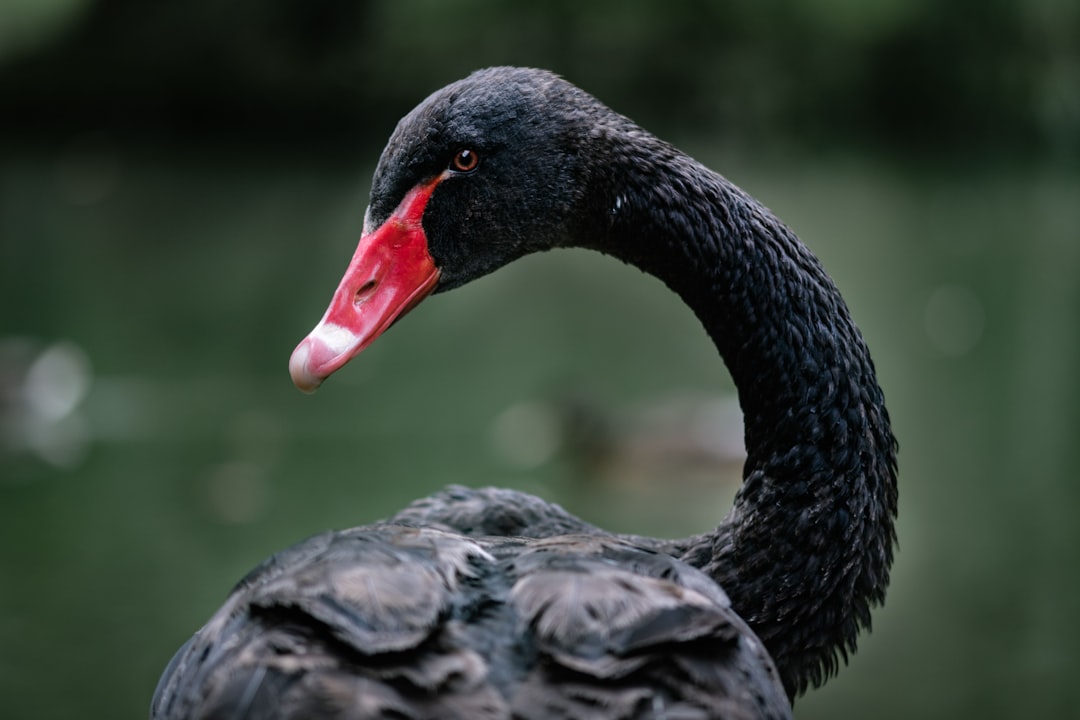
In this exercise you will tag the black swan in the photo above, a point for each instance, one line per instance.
(496, 604)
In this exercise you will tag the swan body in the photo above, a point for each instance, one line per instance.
(487, 603)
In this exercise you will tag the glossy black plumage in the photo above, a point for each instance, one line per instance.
(395, 621)
(488, 603)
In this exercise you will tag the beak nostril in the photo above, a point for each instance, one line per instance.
(365, 290)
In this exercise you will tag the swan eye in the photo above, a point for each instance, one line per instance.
(465, 160)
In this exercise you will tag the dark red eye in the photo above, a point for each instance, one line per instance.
(465, 160)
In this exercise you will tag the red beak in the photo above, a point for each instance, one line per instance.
(390, 273)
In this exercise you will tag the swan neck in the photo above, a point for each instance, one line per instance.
(806, 549)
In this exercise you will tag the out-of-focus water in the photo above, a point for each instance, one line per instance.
(154, 449)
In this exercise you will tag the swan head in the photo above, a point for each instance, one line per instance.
(482, 172)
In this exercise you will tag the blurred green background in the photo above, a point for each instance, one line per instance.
(183, 181)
